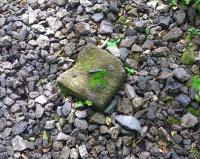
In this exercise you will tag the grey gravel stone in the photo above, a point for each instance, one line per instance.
(54, 23)
(2, 92)
(39, 111)
(180, 16)
(74, 153)
(65, 153)
(8, 101)
(81, 124)
(66, 108)
(97, 17)
(2, 21)
(2, 124)
(181, 74)
(105, 27)
(128, 122)
(69, 48)
(19, 127)
(173, 35)
(60, 2)
(188, 120)
(165, 22)
(183, 99)
(83, 151)
(43, 41)
(50, 124)
(82, 28)
(18, 143)
(41, 99)
(125, 106)
(97, 118)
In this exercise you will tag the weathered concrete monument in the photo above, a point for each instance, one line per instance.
(96, 76)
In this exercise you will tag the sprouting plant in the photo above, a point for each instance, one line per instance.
(113, 42)
(130, 70)
(86, 103)
(122, 19)
(173, 133)
(79, 104)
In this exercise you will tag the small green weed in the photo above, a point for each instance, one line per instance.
(86, 103)
(130, 71)
(122, 19)
(195, 152)
(113, 42)
(173, 120)
(194, 31)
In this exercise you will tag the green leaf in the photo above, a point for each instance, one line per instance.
(130, 71)
(88, 103)
(193, 31)
(147, 30)
(113, 42)
(79, 104)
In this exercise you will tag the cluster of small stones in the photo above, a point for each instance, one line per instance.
(40, 39)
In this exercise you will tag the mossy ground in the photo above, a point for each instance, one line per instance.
(193, 111)
(188, 57)
(173, 120)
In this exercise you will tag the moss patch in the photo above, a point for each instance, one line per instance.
(193, 111)
(173, 120)
(98, 80)
(188, 57)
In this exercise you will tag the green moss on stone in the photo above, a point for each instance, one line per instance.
(173, 120)
(98, 80)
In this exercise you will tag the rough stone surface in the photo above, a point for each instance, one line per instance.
(128, 122)
(78, 80)
(189, 120)
(18, 143)
(173, 34)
